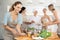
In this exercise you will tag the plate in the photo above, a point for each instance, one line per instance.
(37, 38)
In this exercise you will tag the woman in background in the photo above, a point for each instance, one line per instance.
(45, 20)
(23, 12)
(25, 20)
(12, 22)
(50, 25)
(54, 19)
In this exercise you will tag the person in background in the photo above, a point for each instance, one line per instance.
(23, 12)
(35, 19)
(12, 22)
(54, 19)
(45, 20)
(25, 20)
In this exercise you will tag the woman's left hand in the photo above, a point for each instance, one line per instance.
(21, 34)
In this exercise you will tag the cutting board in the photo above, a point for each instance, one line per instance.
(23, 38)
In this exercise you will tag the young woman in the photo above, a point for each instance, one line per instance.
(13, 21)
(25, 21)
(45, 20)
(23, 12)
(54, 19)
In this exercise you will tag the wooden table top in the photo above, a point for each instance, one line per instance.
(53, 37)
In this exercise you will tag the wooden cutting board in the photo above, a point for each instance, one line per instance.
(23, 38)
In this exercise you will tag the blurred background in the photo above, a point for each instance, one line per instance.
(30, 6)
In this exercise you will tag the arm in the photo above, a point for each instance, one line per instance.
(49, 21)
(18, 26)
(42, 20)
(56, 21)
(55, 14)
(5, 24)
(27, 22)
(9, 29)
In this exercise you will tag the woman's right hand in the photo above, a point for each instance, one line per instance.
(14, 32)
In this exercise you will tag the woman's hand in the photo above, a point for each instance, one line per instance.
(15, 33)
(21, 34)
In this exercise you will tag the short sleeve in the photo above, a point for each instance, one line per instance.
(20, 20)
(6, 18)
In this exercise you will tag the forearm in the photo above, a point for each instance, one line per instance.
(27, 22)
(18, 28)
(8, 28)
(56, 22)
(55, 14)
(49, 23)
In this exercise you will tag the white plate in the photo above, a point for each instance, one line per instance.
(37, 38)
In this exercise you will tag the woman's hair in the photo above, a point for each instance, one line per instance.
(22, 9)
(12, 7)
(44, 9)
(50, 5)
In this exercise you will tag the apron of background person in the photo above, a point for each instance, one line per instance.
(37, 21)
(52, 28)
(45, 20)
(24, 26)
(11, 24)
